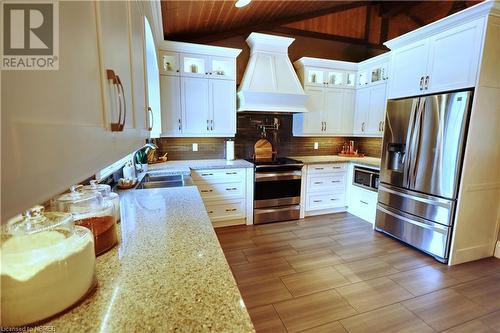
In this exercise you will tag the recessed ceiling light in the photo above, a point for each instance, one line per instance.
(242, 3)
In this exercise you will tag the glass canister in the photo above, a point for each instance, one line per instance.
(90, 210)
(48, 264)
(107, 194)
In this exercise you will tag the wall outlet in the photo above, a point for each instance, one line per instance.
(316, 145)
(195, 147)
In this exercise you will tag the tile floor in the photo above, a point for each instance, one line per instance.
(333, 273)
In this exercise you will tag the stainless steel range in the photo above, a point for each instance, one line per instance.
(277, 190)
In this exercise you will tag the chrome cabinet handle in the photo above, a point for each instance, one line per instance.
(421, 83)
(363, 202)
(180, 124)
(317, 200)
(335, 181)
(231, 189)
(363, 127)
(426, 83)
(208, 126)
(379, 124)
(231, 173)
(334, 199)
(206, 191)
(210, 212)
(151, 118)
(211, 122)
(336, 167)
(325, 125)
(318, 183)
(319, 168)
(231, 210)
(207, 174)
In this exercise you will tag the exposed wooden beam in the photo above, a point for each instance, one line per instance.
(416, 19)
(267, 25)
(320, 35)
(390, 9)
(368, 20)
(457, 6)
(384, 30)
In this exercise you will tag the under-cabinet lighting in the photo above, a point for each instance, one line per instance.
(242, 3)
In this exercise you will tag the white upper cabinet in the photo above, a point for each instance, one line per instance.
(374, 70)
(222, 104)
(198, 90)
(329, 85)
(444, 58)
(169, 63)
(62, 119)
(454, 57)
(361, 111)
(409, 65)
(195, 106)
(171, 121)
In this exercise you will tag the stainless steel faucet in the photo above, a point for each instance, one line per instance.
(145, 148)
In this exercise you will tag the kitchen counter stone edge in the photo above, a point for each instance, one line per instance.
(367, 160)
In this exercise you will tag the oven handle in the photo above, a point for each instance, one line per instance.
(273, 176)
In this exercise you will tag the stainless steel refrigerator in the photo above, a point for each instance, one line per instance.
(422, 152)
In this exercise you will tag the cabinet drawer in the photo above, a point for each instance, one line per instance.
(325, 201)
(226, 210)
(363, 204)
(326, 182)
(219, 175)
(210, 191)
(324, 168)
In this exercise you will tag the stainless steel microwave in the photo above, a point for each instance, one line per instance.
(366, 178)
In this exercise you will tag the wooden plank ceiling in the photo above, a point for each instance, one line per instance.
(359, 22)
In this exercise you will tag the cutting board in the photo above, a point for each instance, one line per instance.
(263, 150)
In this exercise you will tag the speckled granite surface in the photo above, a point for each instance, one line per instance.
(167, 274)
(369, 161)
(202, 164)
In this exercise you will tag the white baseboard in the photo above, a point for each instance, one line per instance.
(497, 250)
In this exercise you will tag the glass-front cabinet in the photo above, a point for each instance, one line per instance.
(314, 77)
(350, 79)
(335, 78)
(169, 63)
(194, 64)
(328, 78)
(222, 68)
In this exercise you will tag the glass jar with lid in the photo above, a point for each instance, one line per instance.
(90, 210)
(107, 194)
(48, 264)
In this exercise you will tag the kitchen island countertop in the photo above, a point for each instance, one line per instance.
(167, 274)
(367, 160)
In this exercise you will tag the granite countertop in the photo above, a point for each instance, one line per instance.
(369, 161)
(167, 274)
(201, 164)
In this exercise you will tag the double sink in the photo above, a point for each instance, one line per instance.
(152, 180)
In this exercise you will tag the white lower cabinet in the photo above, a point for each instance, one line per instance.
(225, 195)
(363, 203)
(328, 189)
(325, 188)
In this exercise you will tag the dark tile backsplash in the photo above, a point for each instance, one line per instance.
(248, 133)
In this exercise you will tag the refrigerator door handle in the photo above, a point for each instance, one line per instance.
(409, 135)
(416, 144)
(415, 221)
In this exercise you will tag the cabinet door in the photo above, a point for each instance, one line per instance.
(138, 68)
(348, 107)
(313, 119)
(171, 116)
(223, 107)
(195, 105)
(315, 76)
(169, 63)
(116, 51)
(54, 129)
(409, 66)
(454, 57)
(333, 110)
(361, 110)
(376, 110)
(194, 65)
(222, 68)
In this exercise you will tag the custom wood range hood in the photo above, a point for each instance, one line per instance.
(270, 83)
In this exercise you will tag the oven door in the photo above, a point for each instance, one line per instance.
(277, 188)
